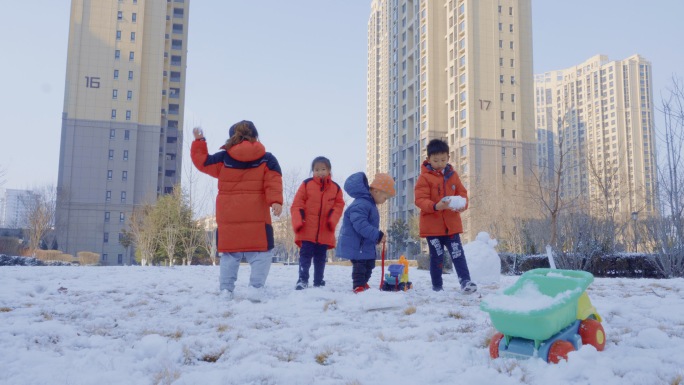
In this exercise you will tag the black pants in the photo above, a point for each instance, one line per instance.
(453, 245)
(361, 271)
(316, 252)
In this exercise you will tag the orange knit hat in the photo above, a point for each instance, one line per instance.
(384, 182)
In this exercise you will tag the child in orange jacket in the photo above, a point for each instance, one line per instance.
(441, 197)
(316, 209)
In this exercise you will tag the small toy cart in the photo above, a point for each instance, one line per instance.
(560, 326)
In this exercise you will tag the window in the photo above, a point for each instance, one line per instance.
(125, 155)
(134, 17)
(128, 114)
(116, 74)
(512, 79)
(119, 15)
(511, 44)
(177, 28)
(130, 75)
(108, 196)
(513, 134)
(178, 13)
(500, 26)
(513, 115)
(501, 79)
(463, 151)
(118, 35)
(515, 170)
(510, 28)
(502, 115)
(131, 56)
(500, 62)
(127, 134)
(109, 174)
(514, 151)
(513, 98)
(113, 114)
(129, 95)
(111, 154)
(106, 216)
(104, 258)
(119, 259)
(123, 197)
(124, 175)
(105, 237)
(503, 132)
(176, 44)
(500, 43)
(510, 11)
(501, 96)
(115, 93)
(503, 151)
(512, 63)
(112, 133)
(132, 36)
(503, 169)
(122, 217)
(117, 54)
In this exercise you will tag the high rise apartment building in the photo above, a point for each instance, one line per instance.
(122, 123)
(14, 208)
(600, 116)
(461, 71)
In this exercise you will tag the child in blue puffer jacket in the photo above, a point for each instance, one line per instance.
(360, 231)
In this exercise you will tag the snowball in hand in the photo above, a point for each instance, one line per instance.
(455, 202)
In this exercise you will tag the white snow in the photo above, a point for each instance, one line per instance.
(526, 299)
(484, 263)
(456, 202)
(161, 325)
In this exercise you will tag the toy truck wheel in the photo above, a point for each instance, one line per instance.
(494, 345)
(559, 351)
(592, 334)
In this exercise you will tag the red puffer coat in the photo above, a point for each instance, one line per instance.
(249, 182)
(431, 187)
(316, 210)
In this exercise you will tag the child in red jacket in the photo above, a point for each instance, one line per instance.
(316, 209)
(438, 192)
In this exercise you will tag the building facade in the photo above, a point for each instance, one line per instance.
(122, 124)
(461, 71)
(595, 123)
(14, 207)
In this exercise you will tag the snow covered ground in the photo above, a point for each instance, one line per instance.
(157, 325)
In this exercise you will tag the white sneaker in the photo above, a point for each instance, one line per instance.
(255, 294)
(469, 287)
(226, 294)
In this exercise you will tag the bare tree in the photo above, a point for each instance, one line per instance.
(284, 234)
(40, 207)
(668, 235)
(142, 229)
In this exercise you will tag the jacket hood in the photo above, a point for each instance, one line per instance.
(247, 151)
(357, 186)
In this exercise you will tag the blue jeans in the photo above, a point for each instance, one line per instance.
(259, 261)
(316, 252)
(453, 245)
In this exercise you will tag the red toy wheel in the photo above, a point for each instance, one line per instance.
(559, 350)
(494, 345)
(592, 334)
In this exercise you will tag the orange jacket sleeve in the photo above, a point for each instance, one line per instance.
(297, 209)
(273, 182)
(337, 210)
(422, 196)
(199, 155)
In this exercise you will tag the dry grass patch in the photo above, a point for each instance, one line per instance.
(322, 357)
(456, 315)
(222, 328)
(355, 382)
(5, 309)
(677, 380)
(165, 376)
(332, 305)
(410, 310)
(213, 357)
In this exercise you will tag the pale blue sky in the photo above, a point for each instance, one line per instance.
(296, 68)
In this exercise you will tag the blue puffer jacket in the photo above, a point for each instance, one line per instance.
(360, 231)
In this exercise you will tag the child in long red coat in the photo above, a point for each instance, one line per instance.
(316, 210)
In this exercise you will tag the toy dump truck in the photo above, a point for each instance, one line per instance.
(545, 314)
